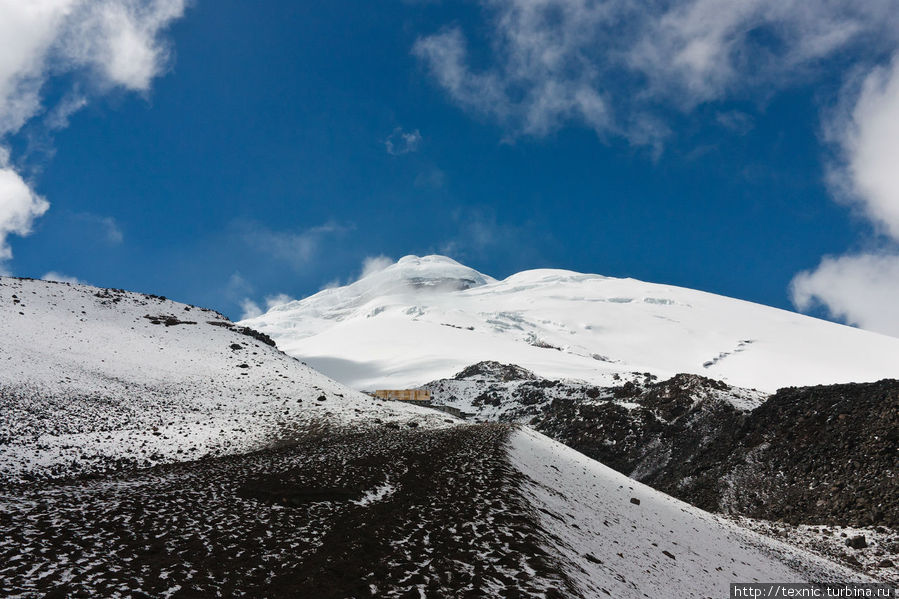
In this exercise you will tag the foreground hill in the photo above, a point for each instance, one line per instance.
(465, 511)
(98, 378)
(423, 319)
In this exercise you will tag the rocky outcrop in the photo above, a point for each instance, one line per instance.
(822, 455)
(659, 433)
(495, 371)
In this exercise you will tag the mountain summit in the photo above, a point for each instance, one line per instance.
(422, 319)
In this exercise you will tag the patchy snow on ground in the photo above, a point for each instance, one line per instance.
(375, 512)
(620, 538)
(91, 377)
(425, 318)
(485, 392)
(877, 553)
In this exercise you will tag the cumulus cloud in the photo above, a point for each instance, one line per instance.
(868, 147)
(862, 288)
(617, 66)
(100, 44)
(401, 142)
(116, 42)
(19, 206)
(61, 278)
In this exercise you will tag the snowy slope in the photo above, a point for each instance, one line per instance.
(615, 547)
(423, 319)
(91, 376)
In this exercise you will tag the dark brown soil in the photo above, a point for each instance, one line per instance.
(379, 513)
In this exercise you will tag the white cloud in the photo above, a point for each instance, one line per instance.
(863, 288)
(117, 41)
(701, 50)
(237, 286)
(19, 206)
(106, 226)
(104, 43)
(279, 299)
(370, 266)
(58, 117)
(539, 80)
(113, 232)
(616, 66)
(373, 264)
(401, 142)
(251, 309)
(239, 289)
(61, 278)
(296, 248)
(868, 139)
(859, 289)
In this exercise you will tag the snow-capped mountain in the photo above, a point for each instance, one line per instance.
(90, 377)
(426, 318)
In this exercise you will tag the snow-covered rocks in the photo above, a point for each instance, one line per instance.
(94, 378)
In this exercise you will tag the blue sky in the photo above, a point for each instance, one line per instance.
(231, 151)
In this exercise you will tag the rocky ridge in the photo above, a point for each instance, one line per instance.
(814, 455)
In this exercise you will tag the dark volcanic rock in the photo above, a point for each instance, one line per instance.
(824, 454)
(857, 542)
(819, 454)
(168, 320)
(255, 335)
(810, 455)
(496, 372)
(676, 426)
